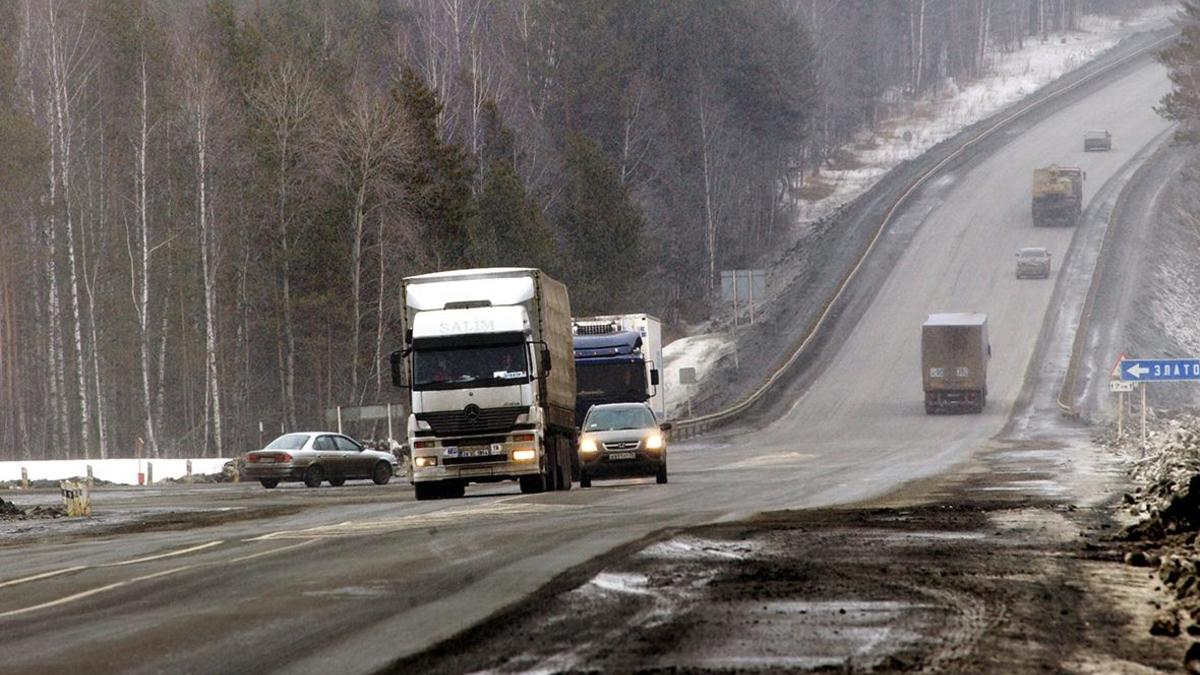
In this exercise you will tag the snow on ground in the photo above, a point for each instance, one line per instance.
(124, 471)
(695, 351)
(925, 123)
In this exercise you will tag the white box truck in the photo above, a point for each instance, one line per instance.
(488, 359)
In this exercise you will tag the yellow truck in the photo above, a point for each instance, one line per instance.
(1057, 195)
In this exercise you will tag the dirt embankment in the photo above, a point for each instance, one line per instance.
(1164, 538)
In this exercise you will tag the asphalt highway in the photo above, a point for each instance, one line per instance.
(349, 579)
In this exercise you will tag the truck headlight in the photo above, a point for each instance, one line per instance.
(588, 446)
(654, 442)
(524, 455)
(424, 461)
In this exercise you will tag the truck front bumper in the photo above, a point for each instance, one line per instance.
(462, 461)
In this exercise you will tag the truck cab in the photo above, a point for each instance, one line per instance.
(617, 360)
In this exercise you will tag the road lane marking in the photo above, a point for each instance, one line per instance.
(132, 561)
(91, 591)
(43, 575)
(273, 551)
(169, 554)
(470, 514)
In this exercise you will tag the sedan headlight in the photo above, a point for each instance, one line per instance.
(588, 446)
(654, 442)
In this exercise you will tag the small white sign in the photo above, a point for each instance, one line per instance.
(1117, 386)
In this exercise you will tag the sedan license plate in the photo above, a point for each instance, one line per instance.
(265, 460)
(622, 455)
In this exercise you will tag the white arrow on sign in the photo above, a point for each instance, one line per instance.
(1137, 370)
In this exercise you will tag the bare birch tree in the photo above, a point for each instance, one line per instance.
(285, 101)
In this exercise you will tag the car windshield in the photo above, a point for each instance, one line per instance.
(612, 381)
(1032, 253)
(288, 442)
(455, 368)
(613, 419)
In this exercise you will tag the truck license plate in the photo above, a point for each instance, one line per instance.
(622, 455)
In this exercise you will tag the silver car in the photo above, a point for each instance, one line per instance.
(622, 439)
(1033, 263)
(1097, 139)
(317, 456)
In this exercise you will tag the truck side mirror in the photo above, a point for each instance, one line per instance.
(546, 362)
(397, 361)
(654, 376)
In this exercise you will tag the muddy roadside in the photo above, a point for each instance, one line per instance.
(1004, 566)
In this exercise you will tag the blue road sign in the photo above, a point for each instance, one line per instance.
(1159, 370)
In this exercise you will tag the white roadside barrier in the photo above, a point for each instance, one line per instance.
(121, 471)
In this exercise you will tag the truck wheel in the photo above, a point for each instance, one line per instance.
(564, 463)
(454, 489)
(427, 491)
(269, 482)
(313, 476)
(532, 485)
(585, 481)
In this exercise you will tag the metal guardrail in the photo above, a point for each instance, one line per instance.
(690, 428)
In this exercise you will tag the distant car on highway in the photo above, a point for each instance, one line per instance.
(317, 456)
(1033, 262)
(620, 440)
(1097, 139)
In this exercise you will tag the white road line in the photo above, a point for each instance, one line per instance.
(160, 556)
(43, 575)
(90, 592)
(273, 551)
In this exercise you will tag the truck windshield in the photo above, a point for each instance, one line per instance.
(463, 367)
(611, 381)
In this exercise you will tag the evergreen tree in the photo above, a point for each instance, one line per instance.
(1182, 60)
(438, 178)
(603, 230)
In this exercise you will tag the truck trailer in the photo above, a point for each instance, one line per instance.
(489, 362)
(617, 360)
(954, 359)
(1057, 195)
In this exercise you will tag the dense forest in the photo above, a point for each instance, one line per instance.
(206, 207)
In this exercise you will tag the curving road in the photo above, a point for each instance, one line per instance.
(347, 580)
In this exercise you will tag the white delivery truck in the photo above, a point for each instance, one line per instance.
(618, 359)
(488, 359)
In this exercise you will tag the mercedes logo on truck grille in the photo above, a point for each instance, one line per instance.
(471, 414)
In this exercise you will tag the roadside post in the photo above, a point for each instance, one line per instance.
(188, 476)
(339, 418)
(687, 377)
(1146, 371)
(24, 478)
(77, 498)
(149, 473)
(90, 480)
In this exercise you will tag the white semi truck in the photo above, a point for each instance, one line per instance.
(488, 359)
(618, 359)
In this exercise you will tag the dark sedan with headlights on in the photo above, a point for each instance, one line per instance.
(317, 456)
(621, 440)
